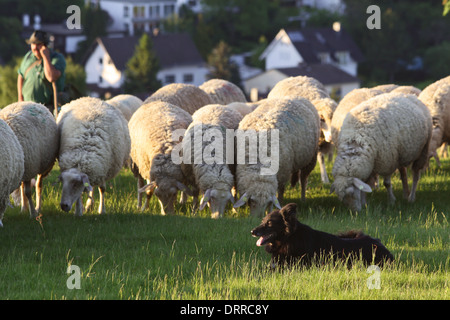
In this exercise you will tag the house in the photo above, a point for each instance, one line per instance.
(327, 54)
(178, 57)
(138, 16)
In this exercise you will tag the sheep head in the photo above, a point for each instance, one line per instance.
(258, 203)
(349, 191)
(74, 182)
(217, 200)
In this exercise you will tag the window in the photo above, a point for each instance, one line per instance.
(168, 10)
(100, 61)
(126, 11)
(170, 78)
(188, 78)
(100, 79)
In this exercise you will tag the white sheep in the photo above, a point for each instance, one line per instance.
(315, 92)
(152, 128)
(223, 91)
(295, 149)
(126, 103)
(385, 133)
(436, 97)
(36, 130)
(348, 102)
(12, 161)
(242, 107)
(185, 96)
(94, 145)
(215, 178)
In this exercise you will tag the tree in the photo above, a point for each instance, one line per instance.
(222, 66)
(8, 82)
(446, 5)
(142, 68)
(437, 60)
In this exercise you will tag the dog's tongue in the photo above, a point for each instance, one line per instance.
(259, 242)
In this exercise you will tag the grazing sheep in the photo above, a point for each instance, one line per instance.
(36, 130)
(151, 129)
(315, 92)
(383, 134)
(298, 126)
(12, 161)
(350, 101)
(223, 91)
(437, 98)
(126, 103)
(94, 145)
(185, 96)
(215, 179)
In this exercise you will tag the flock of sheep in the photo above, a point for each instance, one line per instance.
(374, 130)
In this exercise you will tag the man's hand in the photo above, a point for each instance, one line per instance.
(44, 51)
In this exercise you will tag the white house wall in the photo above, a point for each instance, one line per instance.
(101, 71)
(198, 74)
(283, 55)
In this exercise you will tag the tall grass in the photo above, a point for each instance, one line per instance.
(128, 254)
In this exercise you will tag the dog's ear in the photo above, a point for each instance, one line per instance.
(289, 214)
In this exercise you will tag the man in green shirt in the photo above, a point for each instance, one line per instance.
(38, 70)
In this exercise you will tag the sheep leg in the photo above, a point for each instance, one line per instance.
(89, 201)
(140, 184)
(404, 178)
(388, 185)
(27, 190)
(39, 181)
(24, 205)
(416, 176)
(78, 207)
(323, 169)
(101, 205)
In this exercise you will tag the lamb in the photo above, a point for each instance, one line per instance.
(185, 96)
(223, 91)
(94, 145)
(152, 130)
(315, 92)
(298, 126)
(387, 132)
(436, 97)
(36, 130)
(215, 178)
(12, 160)
(126, 103)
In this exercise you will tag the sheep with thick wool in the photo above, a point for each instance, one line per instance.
(298, 126)
(94, 145)
(188, 97)
(155, 129)
(208, 165)
(12, 160)
(315, 92)
(385, 133)
(348, 102)
(223, 91)
(126, 103)
(436, 97)
(36, 129)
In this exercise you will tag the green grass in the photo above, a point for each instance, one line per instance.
(128, 254)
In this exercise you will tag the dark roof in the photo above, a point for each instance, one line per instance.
(171, 49)
(311, 41)
(326, 73)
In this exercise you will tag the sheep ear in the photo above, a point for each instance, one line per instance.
(361, 185)
(183, 188)
(243, 200)
(148, 187)
(275, 202)
(205, 199)
(85, 181)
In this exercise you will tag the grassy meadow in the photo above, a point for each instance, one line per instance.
(128, 254)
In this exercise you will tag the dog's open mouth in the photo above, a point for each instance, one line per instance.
(263, 240)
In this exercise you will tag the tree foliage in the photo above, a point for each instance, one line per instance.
(142, 68)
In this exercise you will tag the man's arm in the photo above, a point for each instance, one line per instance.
(19, 88)
(51, 73)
